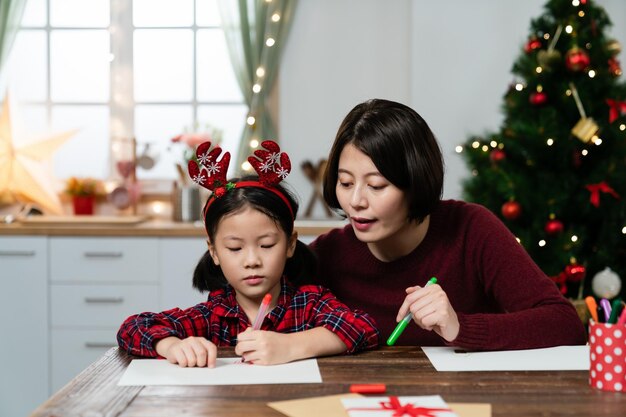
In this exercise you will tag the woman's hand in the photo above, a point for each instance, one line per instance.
(262, 347)
(189, 352)
(431, 310)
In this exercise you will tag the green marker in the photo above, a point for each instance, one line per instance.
(405, 321)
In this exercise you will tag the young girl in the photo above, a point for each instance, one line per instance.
(253, 251)
(385, 173)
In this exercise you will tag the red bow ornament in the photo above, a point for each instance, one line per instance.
(616, 109)
(596, 189)
(400, 410)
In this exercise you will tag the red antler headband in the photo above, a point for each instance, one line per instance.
(271, 165)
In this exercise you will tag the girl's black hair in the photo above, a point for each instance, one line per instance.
(299, 268)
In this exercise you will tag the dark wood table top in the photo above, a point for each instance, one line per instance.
(405, 370)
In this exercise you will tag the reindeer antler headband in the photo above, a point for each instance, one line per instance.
(271, 165)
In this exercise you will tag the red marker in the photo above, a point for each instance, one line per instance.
(368, 388)
(265, 305)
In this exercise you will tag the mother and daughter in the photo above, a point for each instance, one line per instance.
(385, 175)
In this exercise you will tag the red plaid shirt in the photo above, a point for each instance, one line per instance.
(220, 320)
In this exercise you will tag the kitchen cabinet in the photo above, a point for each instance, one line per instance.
(95, 283)
(24, 379)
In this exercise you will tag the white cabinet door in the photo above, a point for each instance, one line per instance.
(74, 350)
(95, 283)
(179, 257)
(24, 346)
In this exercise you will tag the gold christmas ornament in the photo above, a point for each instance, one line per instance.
(586, 128)
(550, 57)
(614, 47)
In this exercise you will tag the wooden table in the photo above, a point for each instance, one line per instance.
(405, 370)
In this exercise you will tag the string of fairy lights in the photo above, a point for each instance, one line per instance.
(576, 60)
(258, 86)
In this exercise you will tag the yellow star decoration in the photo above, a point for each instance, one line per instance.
(25, 174)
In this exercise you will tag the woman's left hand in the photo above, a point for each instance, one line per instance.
(262, 347)
(431, 310)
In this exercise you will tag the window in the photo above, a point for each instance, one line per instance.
(117, 69)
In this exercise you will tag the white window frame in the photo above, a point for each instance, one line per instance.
(121, 102)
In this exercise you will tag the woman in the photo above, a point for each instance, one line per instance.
(385, 173)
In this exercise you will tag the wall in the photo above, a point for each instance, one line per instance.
(449, 60)
(339, 53)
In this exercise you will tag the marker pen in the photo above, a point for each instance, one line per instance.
(258, 320)
(405, 321)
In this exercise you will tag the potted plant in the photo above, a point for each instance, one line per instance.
(83, 192)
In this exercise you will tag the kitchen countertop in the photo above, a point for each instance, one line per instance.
(136, 227)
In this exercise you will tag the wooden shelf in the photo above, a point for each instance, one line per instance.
(133, 226)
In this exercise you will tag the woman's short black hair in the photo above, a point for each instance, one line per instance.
(299, 268)
(401, 146)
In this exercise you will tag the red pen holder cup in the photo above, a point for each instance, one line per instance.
(607, 351)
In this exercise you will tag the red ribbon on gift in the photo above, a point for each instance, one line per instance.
(616, 108)
(403, 410)
(596, 189)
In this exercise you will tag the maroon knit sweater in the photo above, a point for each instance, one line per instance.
(503, 300)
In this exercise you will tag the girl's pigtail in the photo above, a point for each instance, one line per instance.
(207, 276)
(301, 267)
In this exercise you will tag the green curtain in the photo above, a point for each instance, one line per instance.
(11, 12)
(247, 25)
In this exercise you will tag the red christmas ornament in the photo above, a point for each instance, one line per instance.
(575, 272)
(614, 67)
(532, 44)
(553, 227)
(511, 210)
(497, 155)
(538, 98)
(576, 59)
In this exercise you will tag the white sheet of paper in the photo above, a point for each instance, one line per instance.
(227, 371)
(560, 358)
(373, 406)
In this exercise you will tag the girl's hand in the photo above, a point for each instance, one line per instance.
(189, 352)
(431, 310)
(262, 347)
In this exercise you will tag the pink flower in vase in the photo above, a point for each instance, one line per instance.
(192, 139)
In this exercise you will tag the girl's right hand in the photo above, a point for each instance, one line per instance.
(189, 352)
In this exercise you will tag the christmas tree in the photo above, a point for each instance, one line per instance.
(555, 173)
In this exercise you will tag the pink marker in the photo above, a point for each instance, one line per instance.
(258, 320)
(265, 305)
